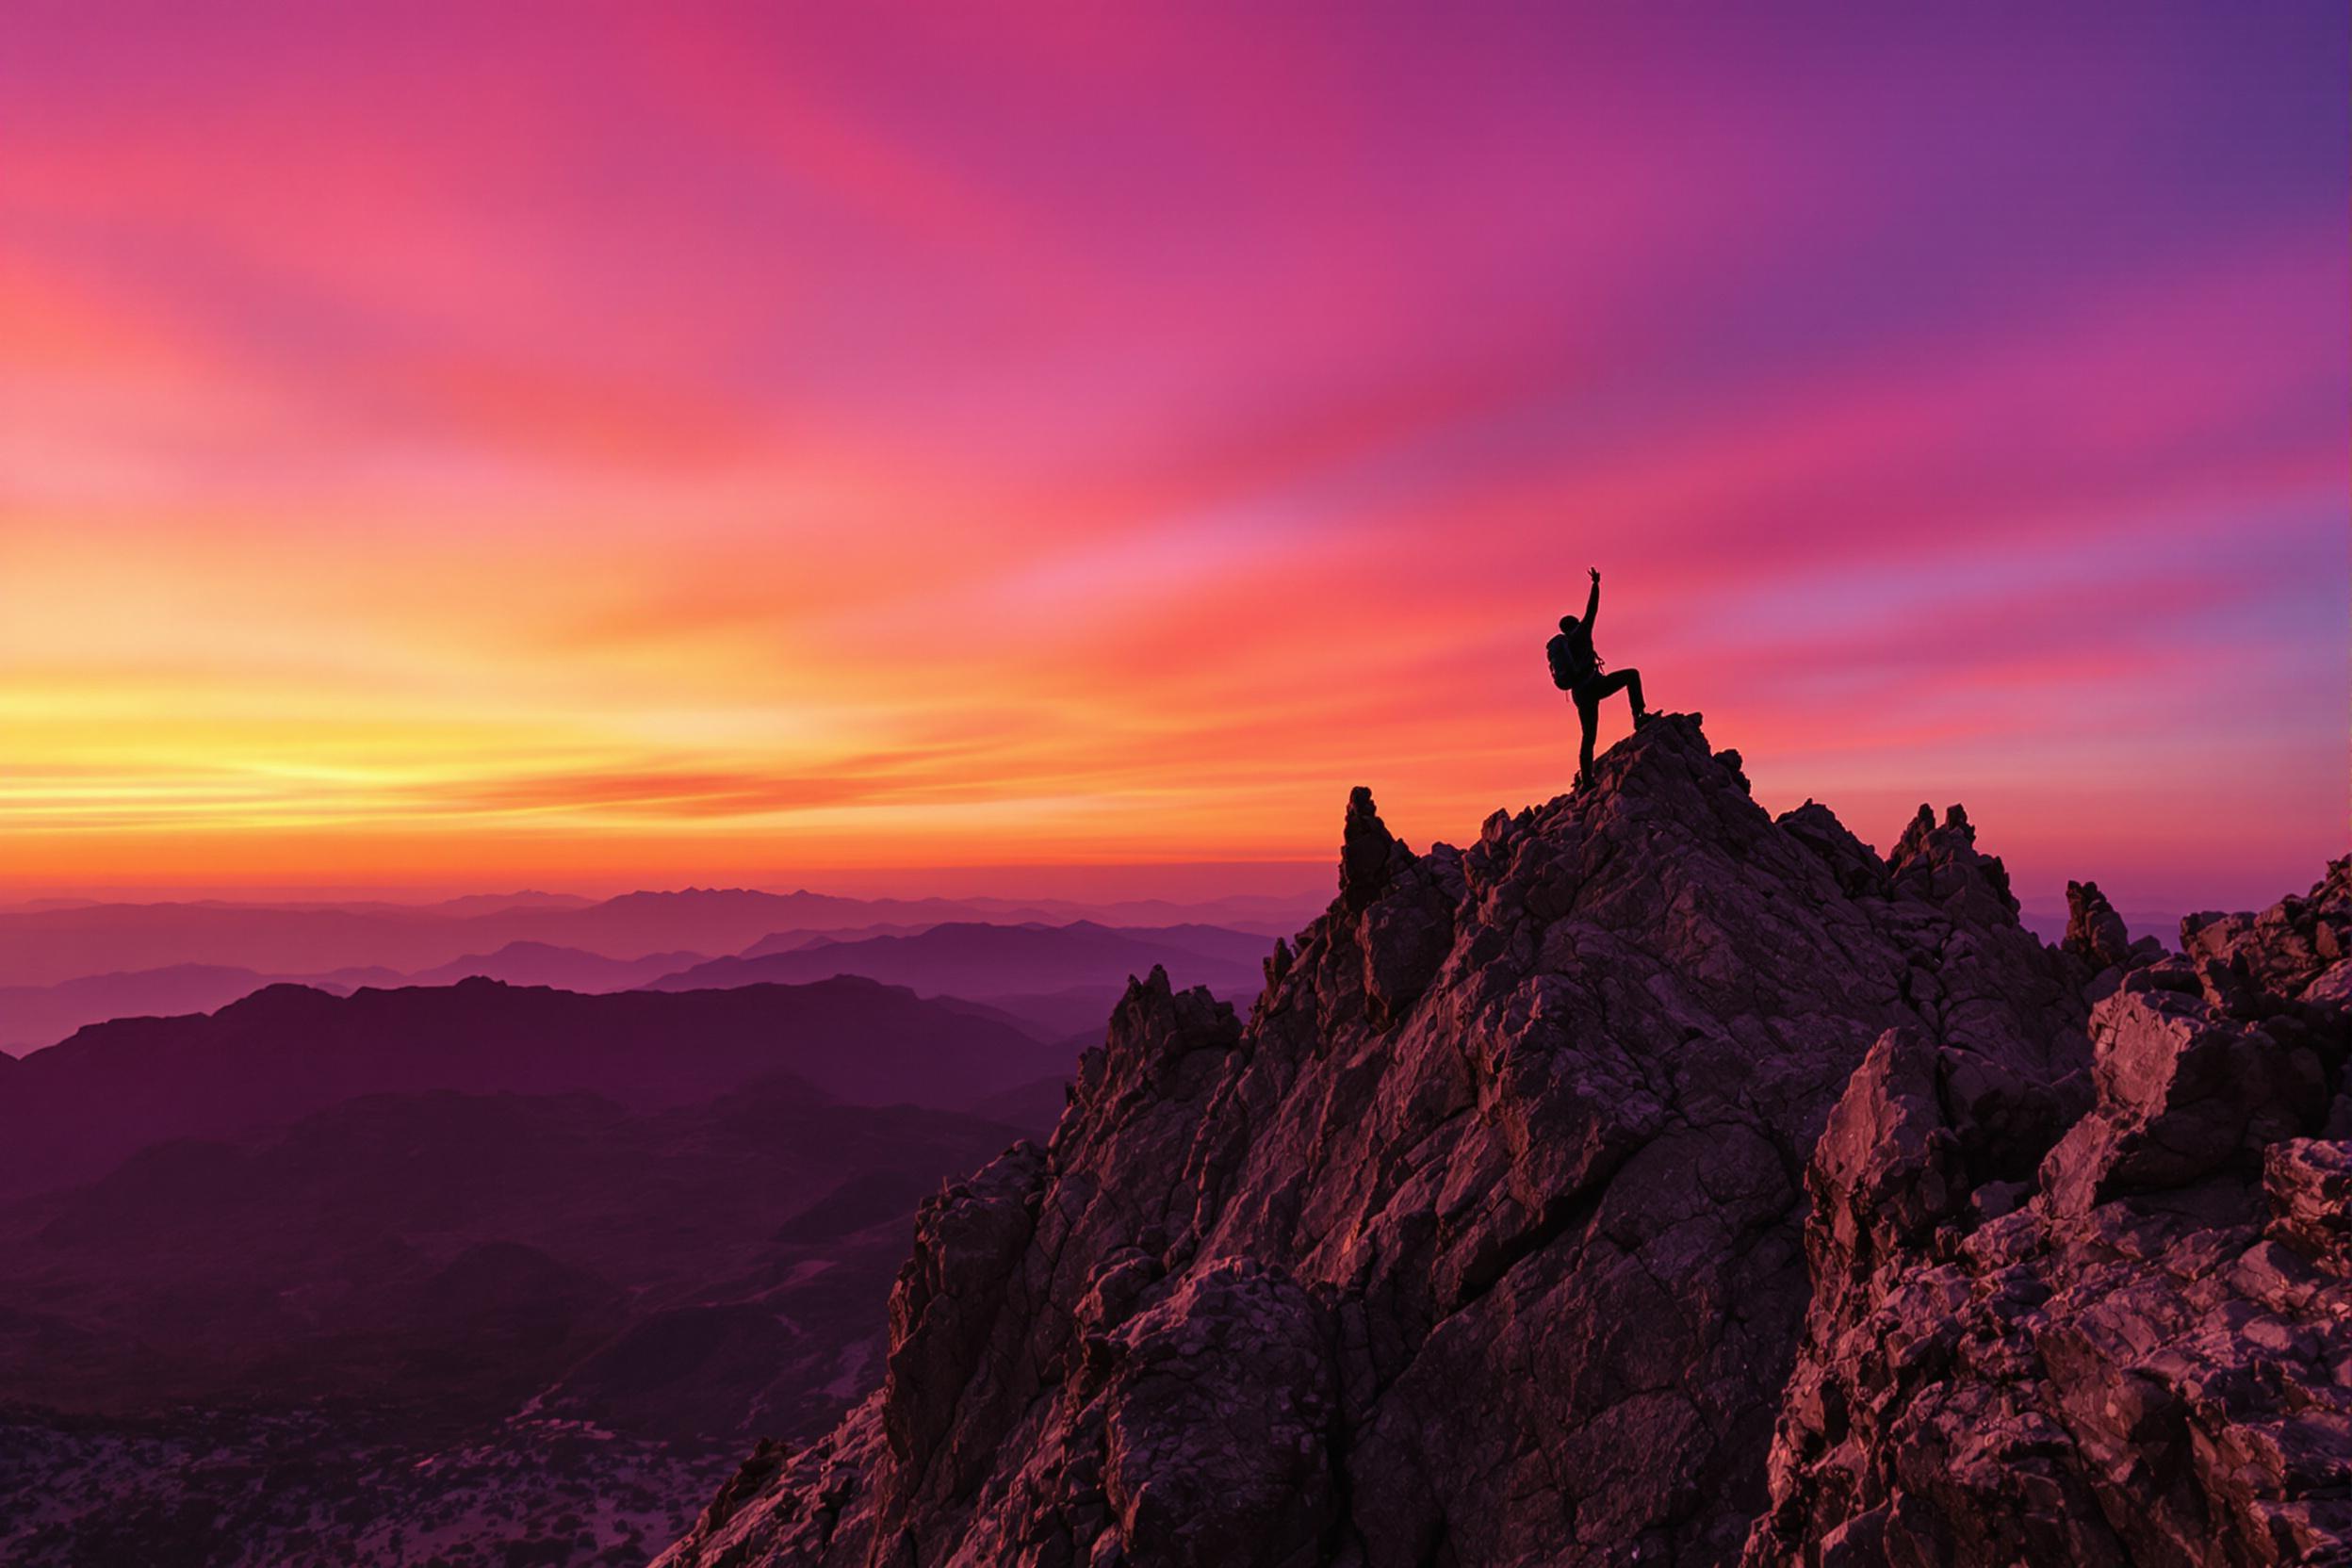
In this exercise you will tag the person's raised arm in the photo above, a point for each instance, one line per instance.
(1592, 604)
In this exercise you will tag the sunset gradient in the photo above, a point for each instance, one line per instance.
(463, 445)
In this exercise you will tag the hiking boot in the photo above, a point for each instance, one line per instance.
(1641, 721)
(1584, 782)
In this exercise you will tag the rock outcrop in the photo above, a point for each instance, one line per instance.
(2095, 934)
(1541, 1208)
(2140, 1354)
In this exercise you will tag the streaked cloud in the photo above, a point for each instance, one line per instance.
(456, 440)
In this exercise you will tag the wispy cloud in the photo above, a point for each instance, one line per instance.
(437, 434)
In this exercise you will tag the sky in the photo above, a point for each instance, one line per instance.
(466, 446)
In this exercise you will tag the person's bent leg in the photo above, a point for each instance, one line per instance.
(1633, 694)
(1627, 681)
(1601, 689)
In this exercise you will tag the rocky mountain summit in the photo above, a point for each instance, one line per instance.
(1651, 1180)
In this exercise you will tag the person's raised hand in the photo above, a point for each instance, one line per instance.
(1595, 571)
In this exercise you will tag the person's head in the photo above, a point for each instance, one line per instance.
(1568, 623)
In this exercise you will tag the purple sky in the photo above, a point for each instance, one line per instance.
(469, 444)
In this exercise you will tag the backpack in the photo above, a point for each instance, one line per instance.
(1571, 660)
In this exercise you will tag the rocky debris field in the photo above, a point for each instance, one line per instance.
(212, 1488)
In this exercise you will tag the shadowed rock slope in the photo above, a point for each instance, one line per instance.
(1491, 1235)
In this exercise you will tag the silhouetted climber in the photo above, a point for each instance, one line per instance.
(1576, 670)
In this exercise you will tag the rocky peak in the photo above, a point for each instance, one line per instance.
(2094, 933)
(1941, 862)
(1368, 856)
(1545, 1182)
(2096, 937)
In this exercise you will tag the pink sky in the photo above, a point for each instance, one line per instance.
(473, 445)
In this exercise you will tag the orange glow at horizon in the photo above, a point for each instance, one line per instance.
(694, 444)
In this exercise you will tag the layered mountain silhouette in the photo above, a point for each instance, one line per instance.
(1652, 1180)
(44, 946)
(484, 1255)
(36, 1016)
(47, 945)
(565, 969)
(74, 1111)
(1062, 977)
(1048, 971)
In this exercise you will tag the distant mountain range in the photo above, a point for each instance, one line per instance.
(72, 1111)
(1055, 978)
(529, 963)
(52, 943)
(35, 1015)
(982, 962)
(49, 945)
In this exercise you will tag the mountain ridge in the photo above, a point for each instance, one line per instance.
(981, 961)
(34, 1017)
(284, 1051)
(55, 944)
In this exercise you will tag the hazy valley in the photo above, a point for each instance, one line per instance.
(524, 1255)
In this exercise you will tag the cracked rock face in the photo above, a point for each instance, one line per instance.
(2143, 1357)
(1554, 1176)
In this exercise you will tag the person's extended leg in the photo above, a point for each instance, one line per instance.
(1604, 687)
(1589, 698)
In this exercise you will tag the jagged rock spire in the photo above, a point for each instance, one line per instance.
(1367, 848)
